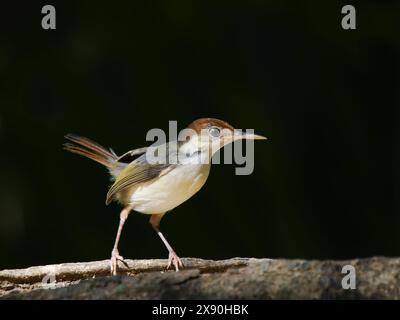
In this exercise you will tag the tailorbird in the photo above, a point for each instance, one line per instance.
(155, 187)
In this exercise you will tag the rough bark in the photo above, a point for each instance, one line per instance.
(237, 278)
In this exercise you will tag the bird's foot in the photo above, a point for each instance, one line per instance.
(115, 257)
(173, 259)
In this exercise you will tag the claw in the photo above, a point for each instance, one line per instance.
(175, 260)
(115, 257)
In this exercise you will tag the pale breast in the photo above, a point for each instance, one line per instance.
(170, 190)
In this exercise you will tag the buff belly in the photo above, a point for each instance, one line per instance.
(169, 191)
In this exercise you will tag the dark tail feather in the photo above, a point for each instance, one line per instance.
(92, 150)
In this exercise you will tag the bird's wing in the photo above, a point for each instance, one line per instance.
(141, 171)
(136, 173)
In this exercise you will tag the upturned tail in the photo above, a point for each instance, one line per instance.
(92, 150)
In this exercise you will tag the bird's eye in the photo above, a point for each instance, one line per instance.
(214, 132)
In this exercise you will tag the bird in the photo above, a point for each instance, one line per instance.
(155, 187)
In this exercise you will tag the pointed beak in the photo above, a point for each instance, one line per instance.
(249, 136)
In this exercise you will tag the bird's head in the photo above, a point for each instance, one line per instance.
(214, 134)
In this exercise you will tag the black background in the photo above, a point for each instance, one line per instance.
(325, 185)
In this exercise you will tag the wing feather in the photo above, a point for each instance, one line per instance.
(134, 174)
(140, 171)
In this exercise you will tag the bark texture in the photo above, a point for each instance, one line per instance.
(237, 278)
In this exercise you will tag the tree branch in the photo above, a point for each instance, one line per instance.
(238, 278)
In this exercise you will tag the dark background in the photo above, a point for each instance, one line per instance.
(326, 184)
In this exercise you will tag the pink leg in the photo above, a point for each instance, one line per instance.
(172, 258)
(115, 256)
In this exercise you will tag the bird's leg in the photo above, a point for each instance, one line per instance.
(172, 258)
(115, 256)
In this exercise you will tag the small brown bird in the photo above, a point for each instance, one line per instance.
(155, 188)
